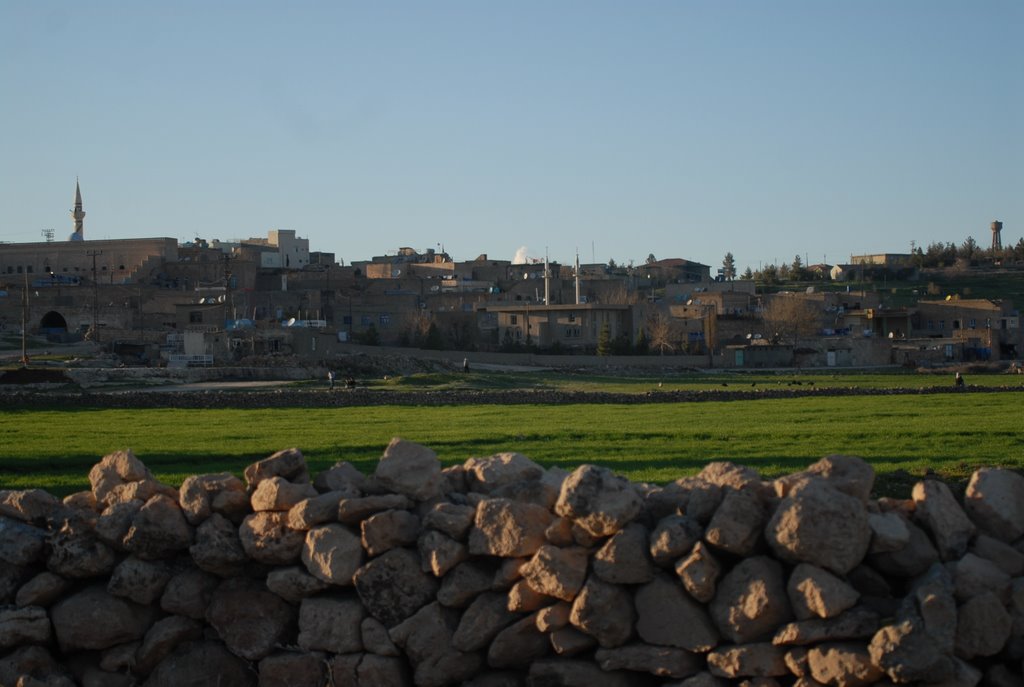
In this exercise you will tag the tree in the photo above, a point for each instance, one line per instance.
(611, 264)
(797, 270)
(662, 332)
(604, 340)
(729, 267)
(748, 274)
(968, 249)
(651, 259)
(790, 318)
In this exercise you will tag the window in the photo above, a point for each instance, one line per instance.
(942, 325)
(513, 319)
(931, 325)
(956, 324)
(195, 316)
(20, 269)
(29, 269)
(972, 323)
(366, 320)
(347, 319)
(385, 319)
(572, 317)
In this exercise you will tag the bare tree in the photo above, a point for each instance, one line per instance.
(661, 331)
(790, 318)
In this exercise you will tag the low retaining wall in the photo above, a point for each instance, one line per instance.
(499, 572)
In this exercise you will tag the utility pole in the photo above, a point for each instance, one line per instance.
(24, 323)
(95, 296)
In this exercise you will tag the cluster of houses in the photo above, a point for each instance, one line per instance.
(206, 302)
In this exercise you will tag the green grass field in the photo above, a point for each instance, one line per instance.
(902, 436)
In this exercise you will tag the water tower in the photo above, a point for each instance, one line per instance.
(997, 238)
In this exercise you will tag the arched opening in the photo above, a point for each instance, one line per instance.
(53, 323)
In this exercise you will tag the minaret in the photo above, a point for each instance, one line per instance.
(577, 277)
(78, 215)
(547, 281)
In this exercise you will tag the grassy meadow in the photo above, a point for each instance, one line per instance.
(902, 436)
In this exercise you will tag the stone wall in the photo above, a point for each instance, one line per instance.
(499, 572)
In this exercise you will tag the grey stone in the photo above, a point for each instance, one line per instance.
(188, 593)
(250, 619)
(158, 530)
(758, 659)
(856, 623)
(603, 611)
(737, 525)
(392, 586)
(843, 665)
(598, 500)
(141, 581)
(451, 519)
(316, 510)
(20, 544)
(42, 590)
(508, 528)
(518, 645)
(557, 572)
(983, 627)
(484, 475)
(485, 617)
(673, 537)
(625, 557)
(355, 510)
(332, 624)
(814, 592)
(267, 538)
(440, 553)
(294, 583)
(409, 469)
(388, 529)
(939, 513)
(289, 464)
(994, 500)
(751, 601)
(332, 553)
(94, 619)
(202, 664)
(657, 660)
(661, 606)
(218, 547)
(699, 573)
(20, 626)
(294, 669)
(819, 525)
(161, 639)
(426, 637)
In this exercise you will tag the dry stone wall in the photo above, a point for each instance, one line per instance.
(498, 572)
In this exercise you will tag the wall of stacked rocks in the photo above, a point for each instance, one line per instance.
(498, 572)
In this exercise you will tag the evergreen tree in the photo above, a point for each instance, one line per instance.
(748, 273)
(729, 267)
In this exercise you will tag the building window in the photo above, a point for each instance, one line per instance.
(972, 323)
(512, 319)
(942, 325)
(572, 317)
(366, 320)
(20, 269)
(29, 269)
(931, 325)
(385, 319)
(195, 316)
(347, 319)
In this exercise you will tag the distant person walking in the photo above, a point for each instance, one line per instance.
(330, 379)
(958, 381)
(465, 364)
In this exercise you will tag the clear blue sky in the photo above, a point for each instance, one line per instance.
(682, 129)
